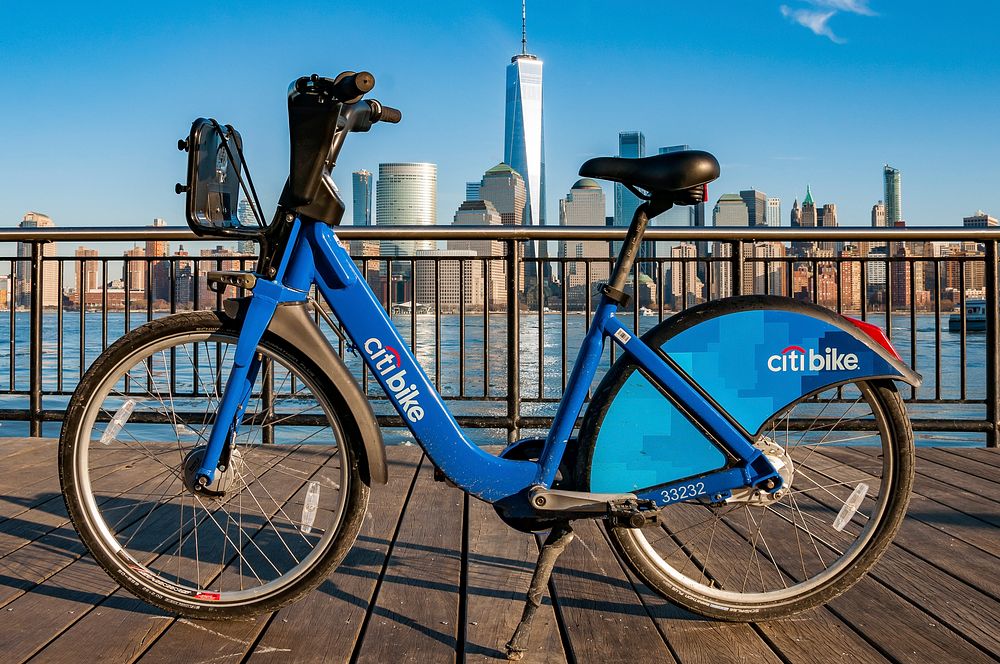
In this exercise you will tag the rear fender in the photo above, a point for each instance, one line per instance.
(293, 324)
(755, 355)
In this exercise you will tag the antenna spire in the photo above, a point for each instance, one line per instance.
(524, 28)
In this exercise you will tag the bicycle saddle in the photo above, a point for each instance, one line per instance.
(664, 173)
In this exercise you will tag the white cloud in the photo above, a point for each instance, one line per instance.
(817, 21)
(852, 6)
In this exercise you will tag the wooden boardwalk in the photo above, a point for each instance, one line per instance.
(435, 577)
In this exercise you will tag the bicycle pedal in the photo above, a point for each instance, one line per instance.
(633, 513)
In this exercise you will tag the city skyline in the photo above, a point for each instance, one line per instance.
(775, 146)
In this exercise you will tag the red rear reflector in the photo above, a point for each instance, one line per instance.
(876, 334)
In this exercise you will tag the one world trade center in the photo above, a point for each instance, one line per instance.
(524, 148)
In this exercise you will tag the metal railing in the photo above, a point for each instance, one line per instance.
(502, 352)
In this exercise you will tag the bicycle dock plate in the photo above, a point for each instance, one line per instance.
(218, 280)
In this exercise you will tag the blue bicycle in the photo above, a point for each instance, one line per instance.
(218, 464)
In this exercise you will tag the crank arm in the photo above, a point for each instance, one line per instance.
(622, 509)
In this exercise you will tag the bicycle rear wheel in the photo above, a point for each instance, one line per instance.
(286, 509)
(847, 454)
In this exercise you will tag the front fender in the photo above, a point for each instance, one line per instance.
(755, 355)
(293, 324)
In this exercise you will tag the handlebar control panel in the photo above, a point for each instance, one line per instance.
(321, 112)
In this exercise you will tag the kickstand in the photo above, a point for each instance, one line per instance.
(559, 537)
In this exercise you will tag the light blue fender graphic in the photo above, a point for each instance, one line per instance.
(754, 363)
(645, 441)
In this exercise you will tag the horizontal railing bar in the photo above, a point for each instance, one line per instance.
(448, 232)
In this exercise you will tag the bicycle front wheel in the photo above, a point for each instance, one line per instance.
(846, 455)
(285, 510)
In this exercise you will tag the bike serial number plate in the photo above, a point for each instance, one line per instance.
(683, 492)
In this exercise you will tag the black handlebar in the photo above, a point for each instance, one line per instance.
(349, 87)
(382, 113)
(390, 115)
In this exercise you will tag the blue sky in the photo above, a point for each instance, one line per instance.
(93, 96)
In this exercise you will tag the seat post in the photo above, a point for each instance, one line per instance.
(633, 240)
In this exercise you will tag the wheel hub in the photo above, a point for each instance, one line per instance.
(779, 458)
(224, 478)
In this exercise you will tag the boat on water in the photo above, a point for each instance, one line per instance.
(975, 317)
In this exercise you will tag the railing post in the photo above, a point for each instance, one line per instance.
(35, 345)
(992, 346)
(737, 267)
(513, 340)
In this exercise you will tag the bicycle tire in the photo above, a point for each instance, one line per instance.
(694, 567)
(250, 550)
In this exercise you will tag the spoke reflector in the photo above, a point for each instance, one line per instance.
(847, 512)
(117, 422)
(309, 507)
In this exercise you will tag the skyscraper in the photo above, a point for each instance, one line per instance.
(583, 206)
(827, 218)
(631, 145)
(893, 195)
(504, 188)
(472, 191)
(86, 274)
(756, 202)
(362, 197)
(159, 271)
(730, 210)
(406, 194)
(524, 147)
(878, 215)
(50, 269)
(810, 219)
(772, 216)
(979, 220)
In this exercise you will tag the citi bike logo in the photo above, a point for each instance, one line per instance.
(387, 365)
(796, 358)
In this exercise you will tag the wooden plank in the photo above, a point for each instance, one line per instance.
(33, 619)
(416, 612)
(605, 621)
(936, 457)
(900, 629)
(987, 455)
(960, 606)
(697, 640)
(819, 636)
(501, 561)
(324, 626)
(974, 484)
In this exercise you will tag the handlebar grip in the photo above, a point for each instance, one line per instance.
(350, 87)
(390, 114)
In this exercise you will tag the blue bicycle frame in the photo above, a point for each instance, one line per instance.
(314, 256)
